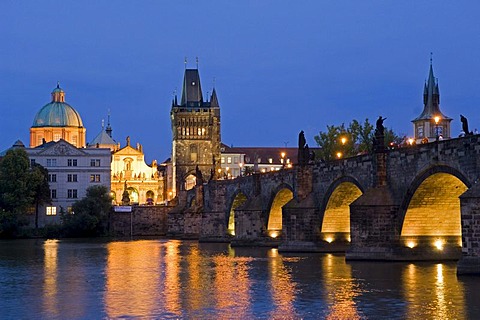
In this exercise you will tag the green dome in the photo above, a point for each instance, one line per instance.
(57, 113)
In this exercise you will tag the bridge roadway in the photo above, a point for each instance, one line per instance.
(415, 203)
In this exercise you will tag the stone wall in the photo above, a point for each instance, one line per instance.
(142, 221)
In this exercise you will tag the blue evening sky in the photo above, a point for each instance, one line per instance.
(279, 66)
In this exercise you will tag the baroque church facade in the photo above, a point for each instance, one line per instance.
(195, 134)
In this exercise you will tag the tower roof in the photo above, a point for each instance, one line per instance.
(192, 90)
(431, 98)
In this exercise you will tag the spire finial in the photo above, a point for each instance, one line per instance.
(103, 124)
(214, 79)
(431, 58)
(58, 84)
(196, 59)
(185, 62)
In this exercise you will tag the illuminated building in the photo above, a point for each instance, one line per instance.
(431, 123)
(196, 133)
(57, 120)
(145, 184)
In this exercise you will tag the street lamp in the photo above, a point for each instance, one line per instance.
(339, 155)
(437, 119)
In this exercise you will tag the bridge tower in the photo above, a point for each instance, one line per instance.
(431, 124)
(195, 133)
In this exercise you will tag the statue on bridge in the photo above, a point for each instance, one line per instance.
(379, 139)
(465, 125)
(303, 150)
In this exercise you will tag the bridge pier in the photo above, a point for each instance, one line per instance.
(373, 231)
(470, 210)
(249, 226)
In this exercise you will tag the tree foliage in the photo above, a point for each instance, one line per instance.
(90, 217)
(349, 141)
(21, 187)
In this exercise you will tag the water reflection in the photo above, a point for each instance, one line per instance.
(50, 290)
(133, 276)
(433, 292)
(341, 289)
(161, 279)
(282, 288)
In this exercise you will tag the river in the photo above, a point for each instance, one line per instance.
(171, 279)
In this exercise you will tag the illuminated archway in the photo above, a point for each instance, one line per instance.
(150, 197)
(336, 219)
(133, 194)
(190, 181)
(239, 200)
(274, 225)
(433, 212)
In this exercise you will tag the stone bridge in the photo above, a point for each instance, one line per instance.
(415, 203)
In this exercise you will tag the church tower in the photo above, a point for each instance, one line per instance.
(195, 133)
(431, 124)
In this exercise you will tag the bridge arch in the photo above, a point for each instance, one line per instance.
(280, 197)
(430, 212)
(335, 220)
(238, 199)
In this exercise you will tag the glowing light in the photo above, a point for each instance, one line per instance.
(437, 119)
(411, 244)
(349, 239)
(273, 234)
(439, 243)
(289, 165)
(219, 170)
(343, 140)
(339, 155)
(283, 154)
(410, 141)
(329, 239)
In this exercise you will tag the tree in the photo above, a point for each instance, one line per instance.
(15, 196)
(90, 215)
(39, 187)
(349, 141)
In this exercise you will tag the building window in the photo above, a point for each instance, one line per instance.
(420, 131)
(40, 140)
(193, 153)
(56, 136)
(71, 178)
(74, 140)
(53, 193)
(52, 177)
(51, 162)
(72, 193)
(70, 210)
(72, 162)
(229, 159)
(235, 159)
(51, 211)
(32, 162)
(223, 159)
(270, 160)
(94, 178)
(94, 162)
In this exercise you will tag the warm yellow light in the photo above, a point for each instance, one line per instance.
(439, 244)
(273, 234)
(329, 239)
(289, 165)
(339, 155)
(240, 164)
(272, 169)
(411, 244)
(437, 119)
(349, 239)
(227, 168)
(219, 170)
(283, 154)
(344, 140)
(263, 170)
(410, 141)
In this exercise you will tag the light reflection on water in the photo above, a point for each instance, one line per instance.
(180, 279)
